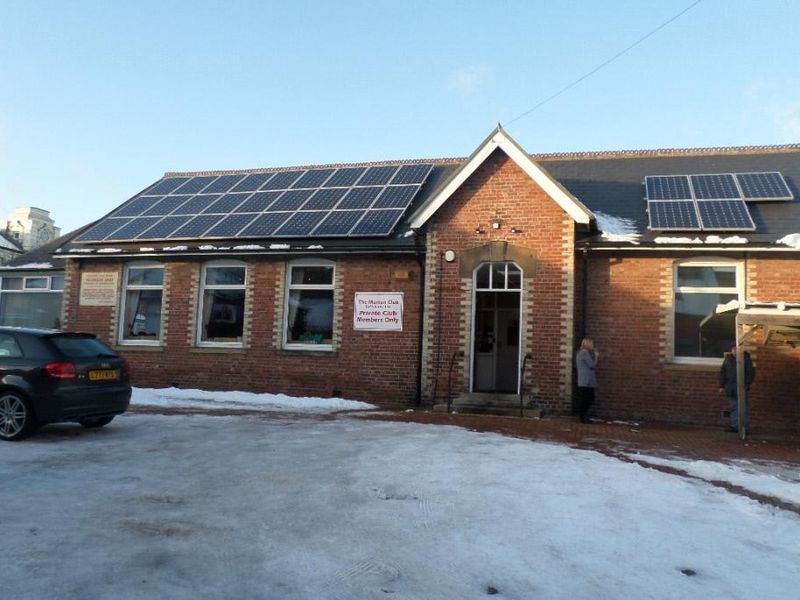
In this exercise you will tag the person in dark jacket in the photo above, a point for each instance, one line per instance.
(586, 363)
(727, 386)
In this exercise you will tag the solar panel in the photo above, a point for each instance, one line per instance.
(196, 227)
(257, 202)
(295, 202)
(265, 225)
(396, 196)
(282, 180)
(377, 222)
(196, 204)
(194, 185)
(673, 214)
(135, 227)
(165, 186)
(668, 187)
(223, 184)
(163, 228)
(338, 222)
(378, 175)
(291, 200)
(301, 223)
(313, 179)
(725, 215)
(227, 203)
(231, 225)
(165, 206)
(410, 174)
(251, 183)
(324, 199)
(712, 187)
(764, 186)
(137, 206)
(102, 230)
(360, 197)
(345, 177)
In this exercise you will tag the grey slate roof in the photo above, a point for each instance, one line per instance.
(47, 253)
(606, 182)
(614, 184)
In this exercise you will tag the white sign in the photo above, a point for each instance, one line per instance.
(99, 289)
(378, 311)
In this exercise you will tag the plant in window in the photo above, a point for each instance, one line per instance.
(309, 305)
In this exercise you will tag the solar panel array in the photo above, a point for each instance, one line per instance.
(712, 202)
(345, 202)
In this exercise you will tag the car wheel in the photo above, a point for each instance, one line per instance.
(16, 417)
(94, 422)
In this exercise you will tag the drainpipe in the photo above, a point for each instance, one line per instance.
(584, 291)
(420, 327)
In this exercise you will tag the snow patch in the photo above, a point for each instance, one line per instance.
(176, 248)
(793, 240)
(734, 239)
(147, 249)
(249, 247)
(677, 240)
(279, 246)
(109, 250)
(315, 247)
(80, 250)
(207, 247)
(617, 229)
(30, 266)
(180, 398)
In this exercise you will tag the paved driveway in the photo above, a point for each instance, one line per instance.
(178, 506)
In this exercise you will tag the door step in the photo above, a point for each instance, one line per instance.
(489, 404)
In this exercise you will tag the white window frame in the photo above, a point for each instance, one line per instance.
(676, 289)
(124, 297)
(25, 290)
(308, 262)
(202, 295)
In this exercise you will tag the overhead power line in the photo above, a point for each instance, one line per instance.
(571, 85)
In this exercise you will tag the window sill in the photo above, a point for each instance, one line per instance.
(692, 366)
(306, 351)
(138, 348)
(217, 349)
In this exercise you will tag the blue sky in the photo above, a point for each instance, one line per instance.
(98, 99)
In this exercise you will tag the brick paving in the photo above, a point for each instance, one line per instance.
(658, 439)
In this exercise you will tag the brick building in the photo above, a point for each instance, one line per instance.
(418, 281)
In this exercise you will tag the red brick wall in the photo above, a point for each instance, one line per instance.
(625, 316)
(500, 188)
(371, 366)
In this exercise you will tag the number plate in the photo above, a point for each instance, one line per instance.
(104, 375)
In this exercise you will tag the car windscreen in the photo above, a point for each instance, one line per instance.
(81, 347)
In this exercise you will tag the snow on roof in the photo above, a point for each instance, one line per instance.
(677, 240)
(616, 229)
(7, 244)
(279, 246)
(710, 239)
(176, 248)
(733, 239)
(249, 247)
(793, 240)
(109, 250)
(30, 266)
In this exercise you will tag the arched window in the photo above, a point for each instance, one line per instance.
(498, 277)
(222, 301)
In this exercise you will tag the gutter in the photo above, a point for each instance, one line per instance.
(217, 253)
(692, 248)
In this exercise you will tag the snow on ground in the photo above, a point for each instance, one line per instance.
(187, 507)
(181, 398)
(767, 478)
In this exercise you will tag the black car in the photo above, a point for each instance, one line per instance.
(49, 376)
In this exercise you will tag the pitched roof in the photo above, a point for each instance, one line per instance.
(9, 243)
(45, 257)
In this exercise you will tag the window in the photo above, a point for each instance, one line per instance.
(33, 301)
(700, 333)
(9, 347)
(309, 306)
(141, 304)
(222, 304)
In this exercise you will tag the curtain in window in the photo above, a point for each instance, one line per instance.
(142, 315)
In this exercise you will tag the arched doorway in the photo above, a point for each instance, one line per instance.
(496, 327)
